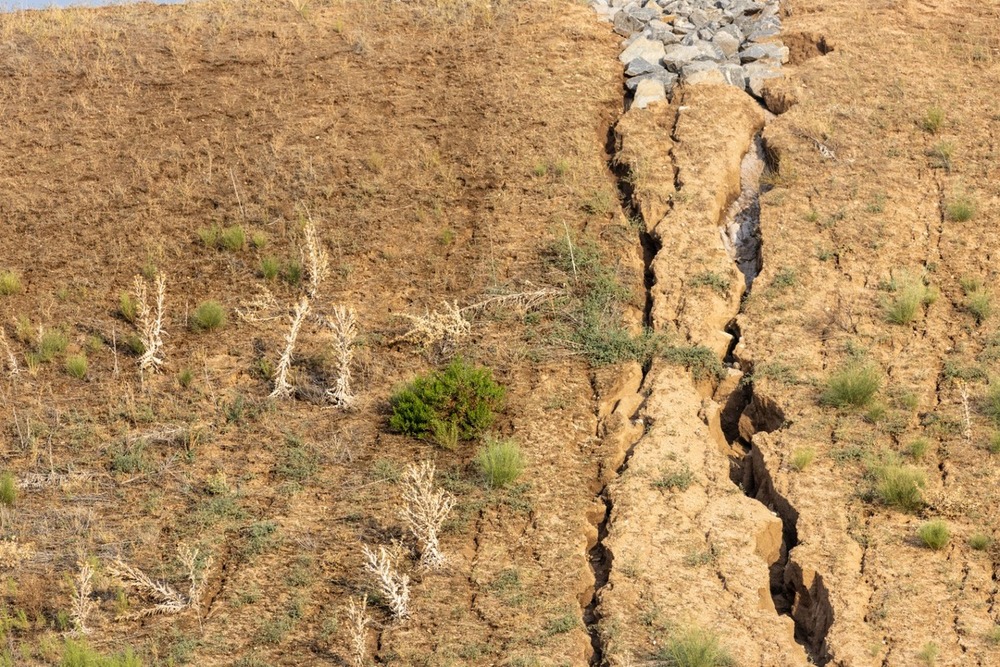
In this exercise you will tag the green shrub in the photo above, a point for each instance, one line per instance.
(934, 534)
(51, 343)
(801, 458)
(960, 209)
(258, 240)
(991, 405)
(10, 283)
(76, 365)
(694, 648)
(185, 377)
(460, 395)
(932, 120)
(855, 385)
(980, 541)
(500, 462)
(208, 316)
(8, 489)
(712, 280)
(993, 446)
(899, 486)
(269, 268)
(79, 654)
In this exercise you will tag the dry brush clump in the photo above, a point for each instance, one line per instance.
(392, 585)
(282, 387)
(426, 509)
(164, 597)
(8, 359)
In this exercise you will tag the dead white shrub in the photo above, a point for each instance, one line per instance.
(521, 302)
(8, 353)
(343, 324)
(12, 552)
(150, 322)
(258, 308)
(357, 615)
(426, 509)
(282, 388)
(392, 584)
(81, 605)
(165, 598)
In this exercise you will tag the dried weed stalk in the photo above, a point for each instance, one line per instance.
(166, 599)
(150, 323)
(521, 302)
(81, 605)
(11, 361)
(282, 388)
(256, 309)
(967, 431)
(357, 614)
(343, 324)
(392, 585)
(316, 259)
(426, 509)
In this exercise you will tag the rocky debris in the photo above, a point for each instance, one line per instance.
(716, 41)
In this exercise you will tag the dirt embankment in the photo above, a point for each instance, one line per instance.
(875, 178)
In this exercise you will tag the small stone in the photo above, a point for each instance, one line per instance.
(757, 74)
(648, 92)
(645, 48)
(726, 43)
(640, 66)
(668, 79)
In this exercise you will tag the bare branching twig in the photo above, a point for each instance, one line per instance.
(282, 388)
(82, 605)
(392, 585)
(165, 598)
(150, 322)
(357, 614)
(426, 509)
(343, 324)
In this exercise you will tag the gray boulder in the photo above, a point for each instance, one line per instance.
(726, 43)
(648, 49)
(640, 66)
(775, 52)
(668, 79)
(647, 92)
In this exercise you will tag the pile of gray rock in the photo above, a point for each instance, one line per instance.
(722, 41)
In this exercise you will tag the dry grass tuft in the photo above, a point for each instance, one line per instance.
(315, 259)
(9, 360)
(438, 328)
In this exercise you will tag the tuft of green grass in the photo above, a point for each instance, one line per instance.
(460, 395)
(208, 316)
(677, 478)
(185, 377)
(269, 268)
(232, 238)
(910, 295)
(8, 489)
(500, 462)
(694, 648)
(991, 404)
(10, 283)
(258, 240)
(993, 446)
(918, 448)
(941, 155)
(53, 342)
(978, 300)
(76, 366)
(928, 654)
(292, 272)
(79, 654)
(899, 486)
(932, 120)
(127, 307)
(960, 208)
(980, 541)
(801, 458)
(853, 386)
(712, 280)
(934, 534)
(993, 635)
